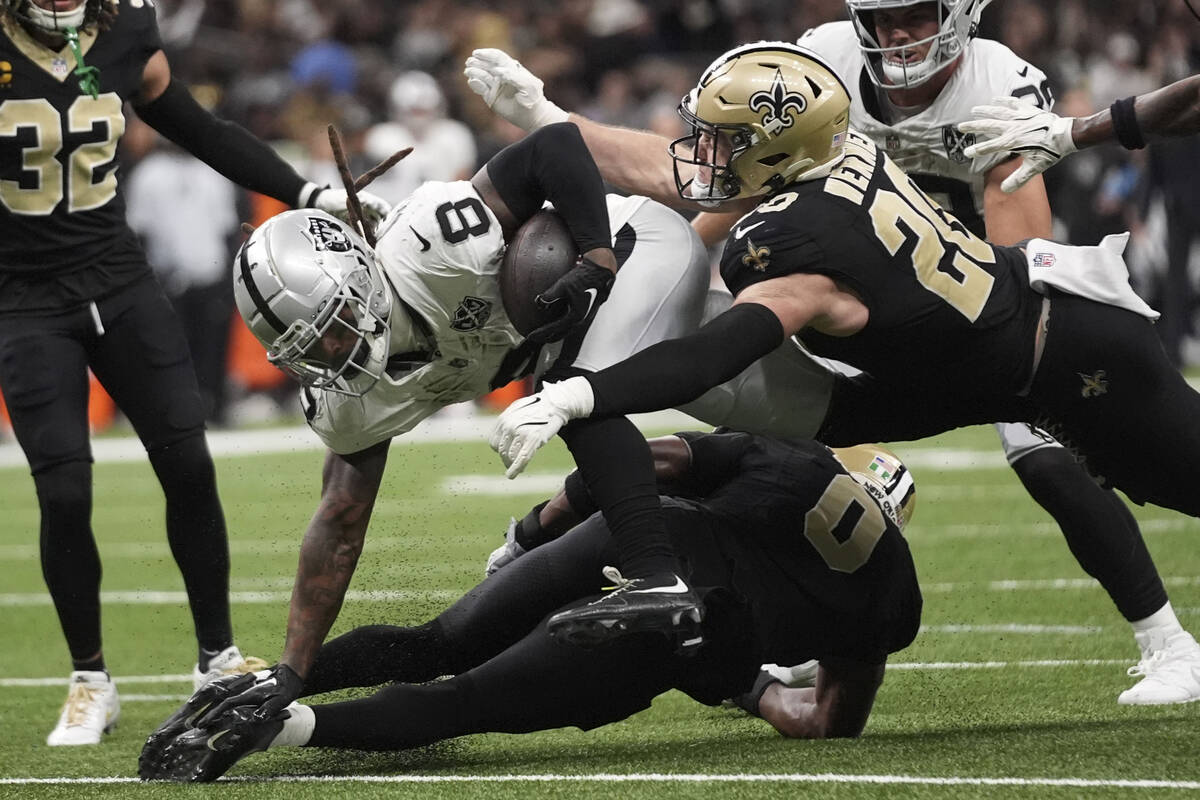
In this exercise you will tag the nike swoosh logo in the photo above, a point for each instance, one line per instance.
(1024, 71)
(592, 295)
(424, 242)
(679, 588)
(740, 232)
(213, 738)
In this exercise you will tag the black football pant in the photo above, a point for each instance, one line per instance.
(141, 359)
(1109, 391)
(509, 675)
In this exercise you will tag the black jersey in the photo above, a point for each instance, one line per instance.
(61, 206)
(823, 568)
(948, 311)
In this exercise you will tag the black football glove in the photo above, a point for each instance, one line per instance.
(580, 292)
(270, 695)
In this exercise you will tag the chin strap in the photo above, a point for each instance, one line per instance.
(89, 77)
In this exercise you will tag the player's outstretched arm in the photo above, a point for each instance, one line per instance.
(1043, 138)
(635, 161)
(330, 550)
(167, 106)
(837, 707)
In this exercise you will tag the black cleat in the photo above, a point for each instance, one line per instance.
(659, 604)
(200, 755)
(205, 698)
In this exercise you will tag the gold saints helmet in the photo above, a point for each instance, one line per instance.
(884, 476)
(783, 113)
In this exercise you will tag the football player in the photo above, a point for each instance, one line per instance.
(382, 338)
(913, 71)
(760, 524)
(1043, 138)
(76, 293)
(849, 255)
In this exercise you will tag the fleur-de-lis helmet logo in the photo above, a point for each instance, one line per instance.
(776, 102)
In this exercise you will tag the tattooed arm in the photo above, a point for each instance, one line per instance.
(330, 551)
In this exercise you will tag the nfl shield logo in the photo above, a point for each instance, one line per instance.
(59, 65)
(892, 142)
(955, 142)
(1043, 260)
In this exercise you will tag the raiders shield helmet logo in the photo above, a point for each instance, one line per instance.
(471, 314)
(955, 142)
(328, 236)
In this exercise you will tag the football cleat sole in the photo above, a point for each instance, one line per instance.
(682, 626)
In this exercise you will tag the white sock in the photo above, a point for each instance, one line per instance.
(1164, 620)
(297, 728)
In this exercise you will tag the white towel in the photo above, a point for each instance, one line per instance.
(1097, 272)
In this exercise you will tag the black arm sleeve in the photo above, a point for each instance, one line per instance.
(554, 164)
(678, 371)
(225, 146)
(716, 459)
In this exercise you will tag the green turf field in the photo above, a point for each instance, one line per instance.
(1014, 681)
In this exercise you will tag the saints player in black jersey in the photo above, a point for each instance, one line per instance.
(913, 70)
(76, 293)
(851, 257)
(800, 556)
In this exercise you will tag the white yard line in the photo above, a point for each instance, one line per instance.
(168, 598)
(151, 598)
(954, 780)
(33, 683)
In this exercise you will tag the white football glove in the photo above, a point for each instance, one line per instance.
(510, 90)
(532, 421)
(801, 676)
(1041, 138)
(506, 553)
(333, 200)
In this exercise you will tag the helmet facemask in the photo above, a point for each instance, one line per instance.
(723, 183)
(887, 66)
(51, 21)
(362, 334)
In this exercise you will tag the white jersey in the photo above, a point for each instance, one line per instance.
(441, 250)
(927, 145)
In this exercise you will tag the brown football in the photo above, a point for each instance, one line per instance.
(540, 253)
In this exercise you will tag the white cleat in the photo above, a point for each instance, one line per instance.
(91, 710)
(229, 661)
(1170, 670)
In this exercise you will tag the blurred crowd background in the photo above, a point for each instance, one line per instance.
(388, 74)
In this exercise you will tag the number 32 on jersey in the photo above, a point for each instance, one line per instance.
(40, 131)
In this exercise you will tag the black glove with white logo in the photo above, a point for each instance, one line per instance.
(579, 293)
(270, 694)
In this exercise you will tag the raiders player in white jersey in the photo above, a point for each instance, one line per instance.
(914, 71)
(383, 338)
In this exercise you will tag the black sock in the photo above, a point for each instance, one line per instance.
(93, 664)
(617, 467)
(70, 561)
(376, 654)
(1099, 529)
(396, 718)
(196, 534)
